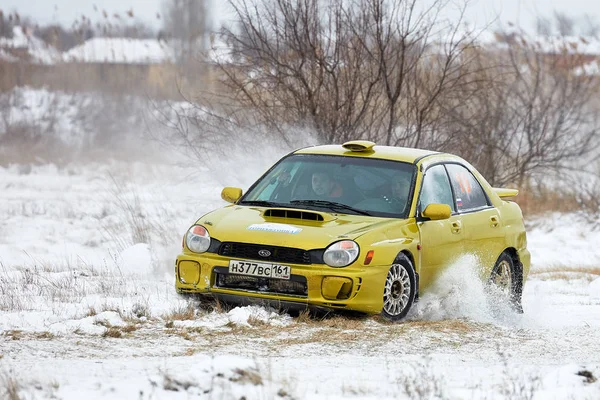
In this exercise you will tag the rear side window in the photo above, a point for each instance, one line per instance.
(469, 193)
(436, 188)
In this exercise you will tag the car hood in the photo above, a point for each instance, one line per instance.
(250, 224)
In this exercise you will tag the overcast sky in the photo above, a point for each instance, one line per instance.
(480, 12)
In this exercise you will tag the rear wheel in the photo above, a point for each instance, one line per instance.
(399, 289)
(507, 278)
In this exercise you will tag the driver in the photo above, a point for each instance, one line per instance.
(325, 187)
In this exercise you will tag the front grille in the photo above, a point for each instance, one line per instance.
(296, 286)
(277, 254)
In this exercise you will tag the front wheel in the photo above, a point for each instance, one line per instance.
(399, 289)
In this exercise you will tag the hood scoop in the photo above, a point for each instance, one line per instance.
(295, 214)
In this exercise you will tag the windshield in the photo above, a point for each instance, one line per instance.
(348, 185)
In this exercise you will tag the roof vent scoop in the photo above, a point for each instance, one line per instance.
(295, 214)
(359, 145)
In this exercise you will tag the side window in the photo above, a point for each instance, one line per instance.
(436, 188)
(469, 193)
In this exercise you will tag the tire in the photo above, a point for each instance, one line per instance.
(506, 277)
(399, 289)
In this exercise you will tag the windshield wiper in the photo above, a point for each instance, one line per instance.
(329, 204)
(261, 203)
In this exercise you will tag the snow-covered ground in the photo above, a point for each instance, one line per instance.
(88, 309)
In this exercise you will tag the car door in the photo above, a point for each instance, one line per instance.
(442, 240)
(483, 232)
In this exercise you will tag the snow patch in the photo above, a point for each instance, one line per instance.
(120, 51)
(137, 259)
(595, 288)
(109, 318)
(238, 316)
(562, 382)
(589, 69)
(38, 51)
(241, 316)
(572, 230)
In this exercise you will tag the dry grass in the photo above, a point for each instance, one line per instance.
(181, 314)
(112, 332)
(189, 333)
(249, 375)
(14, 334)
(185, 334)
(325, 335)
(91, 312)
(542, 200)
(176, 385)
(10, 388)
(421, 382)
(331, 319)
(303, 317)
(343, 322)
(566, 273)
(237, 328)
(103, 323)
(129, 328)
(190, 351)
(44, 335)
(257, 322)
(457, 326)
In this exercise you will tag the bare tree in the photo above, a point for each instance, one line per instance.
(391, 72)
(7, 22)
(299, 63)
(186, 22)
(543, 26)
(590, 27)
(565, 25)
(536, 116)
(344, 68)
(422, 61)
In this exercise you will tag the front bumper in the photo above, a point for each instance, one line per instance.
(356, 287)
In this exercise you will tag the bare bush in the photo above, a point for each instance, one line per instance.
(529, 114)
(371, 69)
(586, 185)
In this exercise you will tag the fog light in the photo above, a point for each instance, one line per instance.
(189, 272)
(336, 288)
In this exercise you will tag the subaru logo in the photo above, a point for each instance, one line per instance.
(264, 253)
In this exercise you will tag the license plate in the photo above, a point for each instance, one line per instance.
(260, 269)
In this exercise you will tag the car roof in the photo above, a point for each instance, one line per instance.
(404, 154)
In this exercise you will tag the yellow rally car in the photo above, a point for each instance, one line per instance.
(354, 227)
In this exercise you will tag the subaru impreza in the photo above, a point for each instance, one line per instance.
(356, 227)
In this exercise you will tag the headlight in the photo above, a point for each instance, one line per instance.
(341, 254)
(197, 239)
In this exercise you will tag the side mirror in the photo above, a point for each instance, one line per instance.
(437, 211)
(231, 194)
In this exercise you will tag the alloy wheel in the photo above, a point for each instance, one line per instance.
(396, 293)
